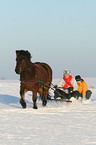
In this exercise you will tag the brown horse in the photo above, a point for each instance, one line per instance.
(35, 77)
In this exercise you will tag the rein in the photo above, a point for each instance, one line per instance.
(44, 74)
(35, 81)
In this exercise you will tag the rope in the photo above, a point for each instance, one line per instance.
(37, 80)
(44, 74)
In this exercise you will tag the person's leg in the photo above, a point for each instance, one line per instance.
(76, 94)
(61, 94)
(88, 94)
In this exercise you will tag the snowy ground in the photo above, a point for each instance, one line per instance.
(58, 123)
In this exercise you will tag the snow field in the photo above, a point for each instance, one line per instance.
(58, 123)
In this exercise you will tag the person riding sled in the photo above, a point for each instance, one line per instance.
(82, 90)
(67, 83)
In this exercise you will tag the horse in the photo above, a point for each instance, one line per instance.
(35, 77)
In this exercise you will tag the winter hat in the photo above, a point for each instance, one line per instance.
(78, 78)
(67, 72)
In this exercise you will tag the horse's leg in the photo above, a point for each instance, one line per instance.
(34, 98)
(44, 96)
(22, 100)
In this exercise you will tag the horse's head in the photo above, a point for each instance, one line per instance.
(22, 57)
(20, 61)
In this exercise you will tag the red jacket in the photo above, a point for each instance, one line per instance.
(67, 82)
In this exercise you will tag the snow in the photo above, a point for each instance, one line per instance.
(58, 123)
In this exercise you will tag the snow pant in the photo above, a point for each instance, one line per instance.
(62, 94)
(76, 94)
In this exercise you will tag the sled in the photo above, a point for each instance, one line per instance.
(60, 95)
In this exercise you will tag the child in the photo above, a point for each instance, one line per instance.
(67, 83)
(82, 88)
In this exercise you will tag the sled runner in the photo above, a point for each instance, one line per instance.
(61, 100)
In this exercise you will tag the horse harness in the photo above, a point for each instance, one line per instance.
(35, 81)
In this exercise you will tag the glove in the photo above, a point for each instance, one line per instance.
(55, 86)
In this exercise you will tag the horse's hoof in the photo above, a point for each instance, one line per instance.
(35, 107)
(23, 104)
(44, 103)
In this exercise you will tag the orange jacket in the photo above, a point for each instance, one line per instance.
(82, 88)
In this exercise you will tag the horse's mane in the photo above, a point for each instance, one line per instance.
(24, 53)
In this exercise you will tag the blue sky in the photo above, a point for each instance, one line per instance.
(61, 33)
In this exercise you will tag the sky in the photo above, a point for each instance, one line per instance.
(61, 33)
